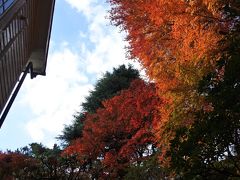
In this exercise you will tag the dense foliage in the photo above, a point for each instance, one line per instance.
(106, 87)
(38, 162)
(184, 124)
(120, 134)
(213, 144)
(191, 50)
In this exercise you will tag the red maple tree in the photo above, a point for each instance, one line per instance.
(122, 132)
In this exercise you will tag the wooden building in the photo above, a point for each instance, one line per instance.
(25, 27)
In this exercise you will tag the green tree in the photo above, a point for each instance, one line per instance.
(106, 87)
(72, 131)
(39, 162)
(211, 148)
(148, 169)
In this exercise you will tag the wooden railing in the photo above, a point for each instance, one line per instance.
(25, 28)
(15, 27)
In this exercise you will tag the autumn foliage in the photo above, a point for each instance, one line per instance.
(171, 38)
(14, 165)
(178, 42)
(182, 123)
(122, 132)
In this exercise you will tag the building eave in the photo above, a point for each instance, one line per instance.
(41, 35)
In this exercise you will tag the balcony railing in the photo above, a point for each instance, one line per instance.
(25, 28)
(14, 43)
(4, 5)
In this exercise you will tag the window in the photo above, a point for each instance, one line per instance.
(4, 5)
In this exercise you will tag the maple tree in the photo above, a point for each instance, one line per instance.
(149, 169)
(38, 162)
(14, 165)
(212, 147)
(171, 37)
(178, 42)
(106, 87)
(187, 120)
(121, 133)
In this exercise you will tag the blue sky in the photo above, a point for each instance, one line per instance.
(83, 46)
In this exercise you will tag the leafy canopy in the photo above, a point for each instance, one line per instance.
(106, 87)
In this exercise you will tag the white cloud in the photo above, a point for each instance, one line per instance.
(55, 98)
(107, 49)
(83, 6)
